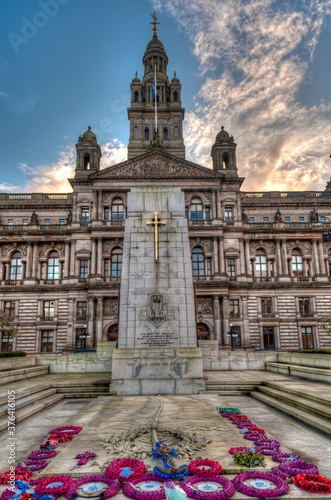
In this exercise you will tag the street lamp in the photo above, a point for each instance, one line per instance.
(232, 334)
(84, 336)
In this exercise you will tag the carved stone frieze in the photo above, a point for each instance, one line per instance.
(305, 246)
(267, 246)
(44, 248)
(7, 248)
(22, 247)
(107, 245)
(205, 196)
(205, 243)
(110, 307)
(205, 305)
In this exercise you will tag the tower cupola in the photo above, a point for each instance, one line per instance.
(88, 154)
(224, 153)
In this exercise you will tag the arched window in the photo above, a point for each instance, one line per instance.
(112, 335)
(196, 209)
(175, 96)
(198, 262)
(225, 160)
(202, 331)
(136, 95)
(329, 260)
(165, 134)
(146, 134)
(87, 161)
(296, 262)
(117, 210)
(116, 263)
(260, 263)
(16, 266)
(53, 266)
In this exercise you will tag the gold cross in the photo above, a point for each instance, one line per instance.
(156, 233)
(154, 29)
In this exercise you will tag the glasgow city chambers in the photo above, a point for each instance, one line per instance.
(261, 261)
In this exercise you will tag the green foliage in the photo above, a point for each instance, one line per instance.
(313, 351)
(249, 458)
(7, 325)
(12, 354)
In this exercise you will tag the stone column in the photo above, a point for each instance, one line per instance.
(99, 261)
(99, 319)
(242, 257)
(304, 263)
(226, 340)
(213, 201)
(321, 256)
(35, 260)
(100, 214)
(217, 319)
(315, 257)
(95, 205)
(91, 321)
(247, 258)
(29, 261)
(72, 258)
(215, 256)
(218, 204)
(284, 257)
(1, 272)
(93, 256)
(279, 259)
(66, 260)
(245, 333)
(221, 254)
(70, 330)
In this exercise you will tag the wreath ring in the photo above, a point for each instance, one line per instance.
(40, 454)
(115, 468)
(55, 491)
(72, 429)
(195, 468)
(114, 486)
(312, 483)
(252, 491)
(130, 491)
(227, 492)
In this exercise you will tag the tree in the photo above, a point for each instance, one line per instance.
(325, 323)
(7, 324)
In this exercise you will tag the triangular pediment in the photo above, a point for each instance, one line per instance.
(156, 165)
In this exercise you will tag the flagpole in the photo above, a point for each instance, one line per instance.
(155, 98)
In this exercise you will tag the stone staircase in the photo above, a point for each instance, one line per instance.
(230, 388)
(16, 374)
(303, 406)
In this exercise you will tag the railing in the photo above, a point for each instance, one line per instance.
(294, 225)
(200, 222)
(34, 197)
(33, 227)
(19, 197)
(254, 195)
(47, 318)
(306, 315)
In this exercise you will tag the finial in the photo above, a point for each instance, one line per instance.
(174, 74)
(89, 127)
(136, 74)
(154, 29)
(222, 128)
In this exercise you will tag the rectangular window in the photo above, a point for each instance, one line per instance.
(228, 214)
(207, 213)
(62, 223)
(81, 338)
(106, 213)
(25, 222)
(322, 220)
(83, 271)
(47, 341)
(10, 222)
(301, 221)
(85, 214)
(251, 220)
(81, 309)
(186, 214)
(47, 222)
(106, 268)
(49, 309)
(265, 220)
(272, 273)
(231, 267)
(305, 306)
(268, 338)
(234, 308)
(236, 339)
(266, 305)
(6, 342)
(287, 220)
(9, 308)
(208, 266)
(307, 337)
(42, 270)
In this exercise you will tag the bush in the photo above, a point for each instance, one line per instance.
(12, 354)
(313, 351)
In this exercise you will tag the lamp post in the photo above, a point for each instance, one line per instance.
(84, 336)
(232, 334)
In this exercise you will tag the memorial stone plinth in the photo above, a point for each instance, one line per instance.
(157, 327)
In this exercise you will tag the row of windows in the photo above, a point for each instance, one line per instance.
(25, 222)
(164, 135)
(287, 220)
(267, 306)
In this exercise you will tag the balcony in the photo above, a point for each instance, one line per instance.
(30, 227)
(199, 222)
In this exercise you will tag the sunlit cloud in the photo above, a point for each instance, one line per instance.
(254, 56)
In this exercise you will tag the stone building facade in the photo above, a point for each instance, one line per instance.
(260, 264)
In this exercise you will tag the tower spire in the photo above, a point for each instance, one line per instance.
(154, 29)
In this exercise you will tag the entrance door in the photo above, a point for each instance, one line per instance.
(112, 335)
(269, 338)
(202, 332)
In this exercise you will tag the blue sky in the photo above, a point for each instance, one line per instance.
(262, 69)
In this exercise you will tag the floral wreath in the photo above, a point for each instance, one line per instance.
(261, 439)
(254, 428)
(253, 436)
(295, 467)
(130, 491)
(40, 454)
(49, 443)
(73, 429)
(229, 410)
(9, 493)
(265, 450)
(115, 468)
(56, 491)
(235, 450)
(238, 417)
(195, 469)
(244, 423)
(114, 486)
(61, 438)
(32, 465)
(227, 492)
(278, 456)
(251, 491)
(312, 483)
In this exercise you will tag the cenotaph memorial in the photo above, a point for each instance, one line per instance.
(157, 347)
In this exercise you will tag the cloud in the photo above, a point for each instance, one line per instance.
(19, 106)
(254, 56)
(52, 178)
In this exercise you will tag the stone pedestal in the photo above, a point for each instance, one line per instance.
(157, 371)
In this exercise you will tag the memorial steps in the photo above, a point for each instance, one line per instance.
(230, 388)
(300, 404)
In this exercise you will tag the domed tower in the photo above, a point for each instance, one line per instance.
(224, 153)
(88, 154)
(170, 114)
